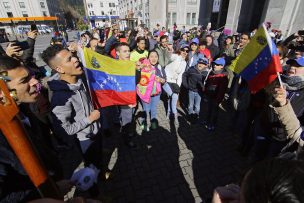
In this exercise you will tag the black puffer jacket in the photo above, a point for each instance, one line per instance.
(193, 79)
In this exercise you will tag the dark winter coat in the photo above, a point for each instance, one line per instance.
(193, 79)
(216, 85)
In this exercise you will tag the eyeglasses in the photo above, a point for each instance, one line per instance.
(185, 50)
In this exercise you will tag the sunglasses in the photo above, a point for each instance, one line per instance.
(185, 50)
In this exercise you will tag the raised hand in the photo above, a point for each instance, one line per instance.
(12, 49)
(280, 94)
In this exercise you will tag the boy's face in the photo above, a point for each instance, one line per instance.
(65, 63)
(24, 84)
(124, 53)
(201, 66)
(141, 45)
(202, 47)
(217, 67)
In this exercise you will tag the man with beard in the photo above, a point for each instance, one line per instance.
(271, 136)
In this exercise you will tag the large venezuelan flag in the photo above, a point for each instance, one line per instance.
(112, 82)
(259, 62)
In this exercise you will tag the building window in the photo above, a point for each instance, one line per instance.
(102, 12)
(91, 13)
(10, 14)
(114, 12)
(24, 14)
(173, 18)
(101, 4)
(42, 5)
(90, 5)
(111, 4)
(21, 4)
(192, 1)
(188, 19)
(193, 18)
(44, 13)
(6, 5)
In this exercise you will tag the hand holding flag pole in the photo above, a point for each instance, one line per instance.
(280, 80)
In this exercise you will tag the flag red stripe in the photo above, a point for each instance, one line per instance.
(110, 97)
(266, 76)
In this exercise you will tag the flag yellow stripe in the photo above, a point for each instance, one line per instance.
(108, 65)
(250, 52)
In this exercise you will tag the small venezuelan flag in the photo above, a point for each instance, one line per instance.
(259, 62)
(112, 82)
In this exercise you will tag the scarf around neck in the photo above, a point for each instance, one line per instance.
(293, 83)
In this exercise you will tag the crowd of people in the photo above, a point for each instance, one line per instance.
(185, 67)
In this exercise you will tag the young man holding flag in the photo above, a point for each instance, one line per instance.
(112, 83)
(128, 128)
(72, 108)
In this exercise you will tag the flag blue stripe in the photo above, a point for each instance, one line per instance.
(99, 80)
(274, 48)
(258, 64)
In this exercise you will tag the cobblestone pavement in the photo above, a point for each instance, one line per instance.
(174, 163)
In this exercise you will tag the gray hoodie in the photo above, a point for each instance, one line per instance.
(71, 106)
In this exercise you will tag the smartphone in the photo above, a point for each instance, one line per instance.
(23, 45)
(301, 32)
(33, 27)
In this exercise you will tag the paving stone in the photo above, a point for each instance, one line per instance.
(174, 163)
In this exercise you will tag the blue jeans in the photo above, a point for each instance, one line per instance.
(194, 102)
(151, 107)
(166, 87)
(172, 102)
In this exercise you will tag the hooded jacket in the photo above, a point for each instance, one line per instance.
(175, 69)
(71, 106)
